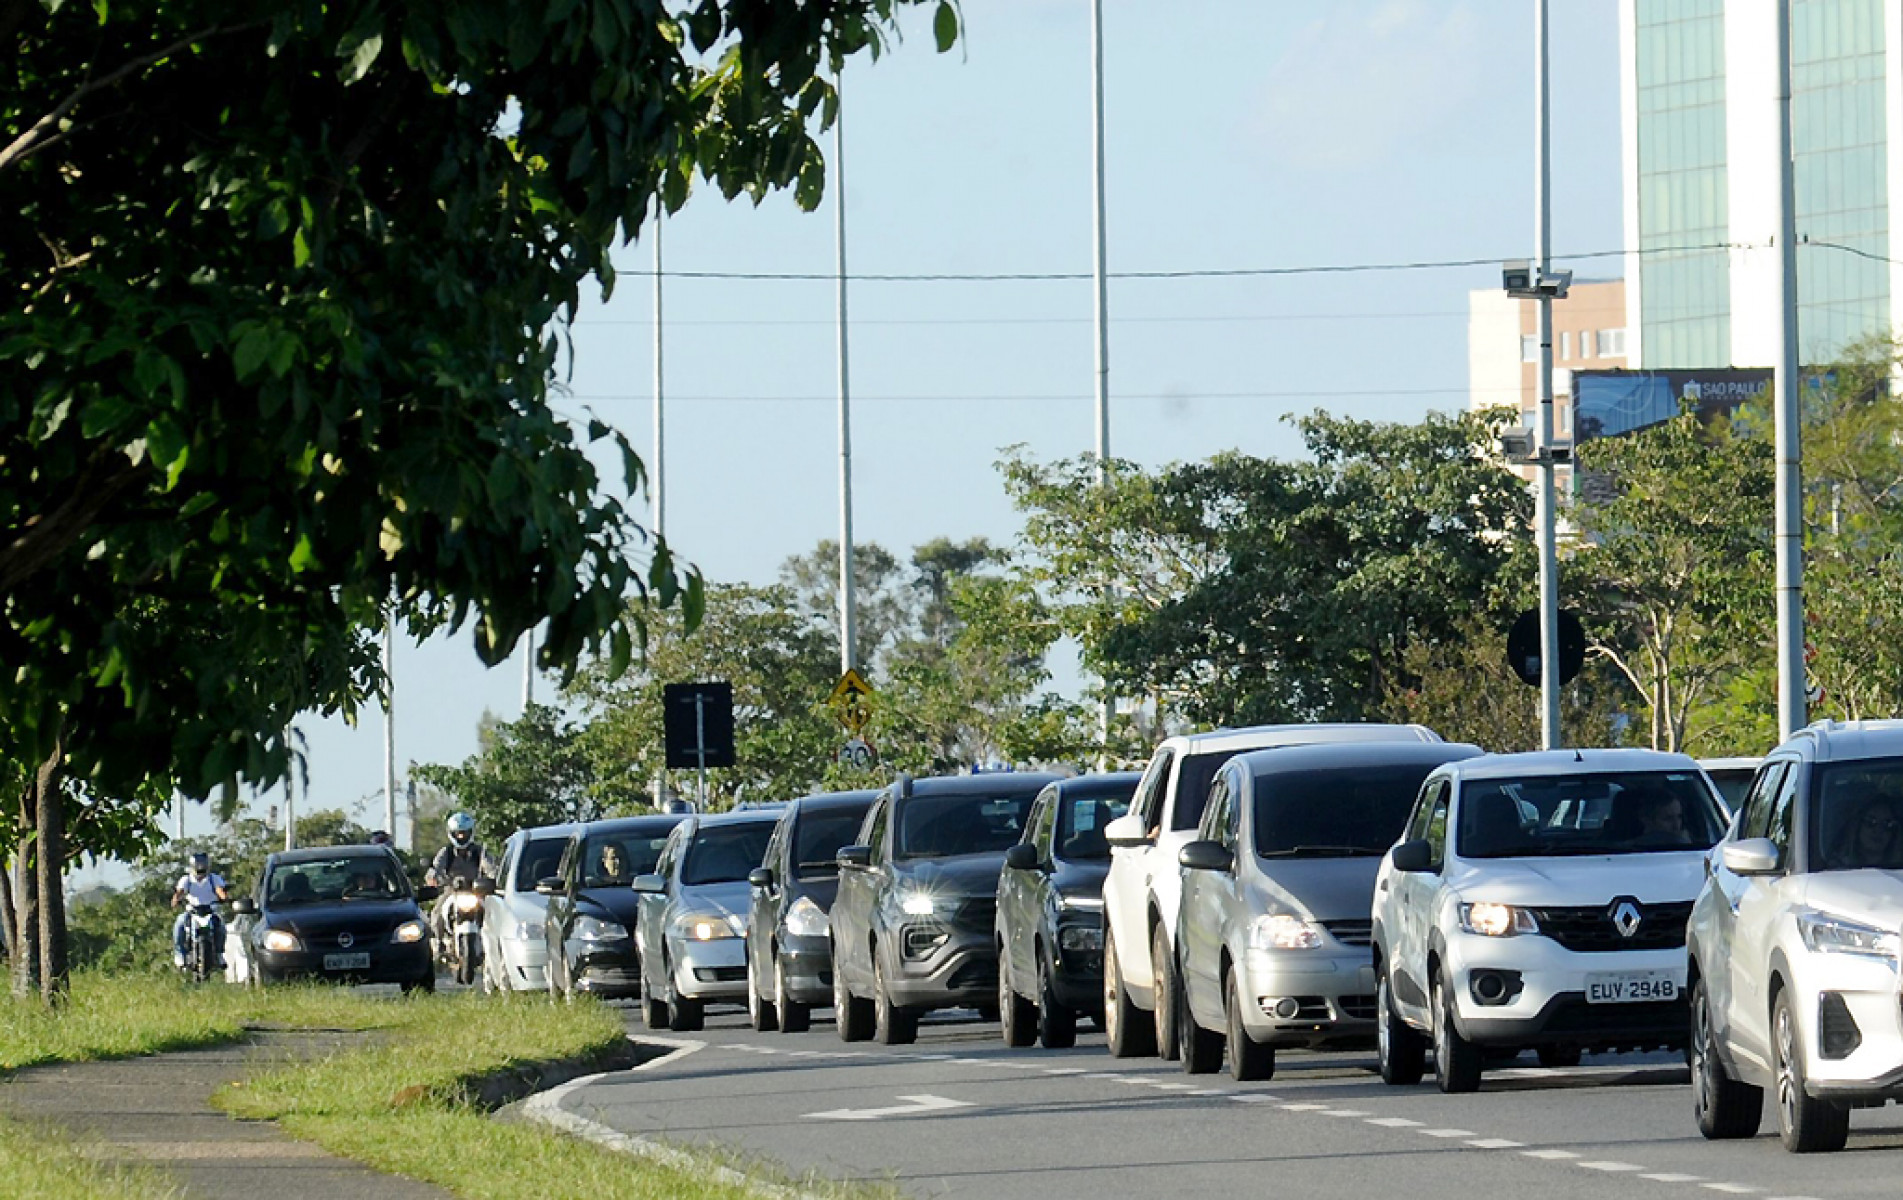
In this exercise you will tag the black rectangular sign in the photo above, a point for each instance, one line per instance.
(697, 721)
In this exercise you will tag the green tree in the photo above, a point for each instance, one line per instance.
(531, 771)
(882, 605)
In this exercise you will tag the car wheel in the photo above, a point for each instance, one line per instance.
(1127, 1029)
(1457, 1061)
(892, 1025)
(1559, 1057)
(760, 1012)
(794, 1016)
(1402, 1050)
(1017, 1017)
(1199, 1049)
(426, 984)
(686, 1016)
(852, 1017)
(1163, 995)
(1805, 1124)
(1249, 1060)
(1723, 1107)
(1056, 1022)
(653, 1012)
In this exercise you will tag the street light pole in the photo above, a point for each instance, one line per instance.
(658, 472)
(1792, 701)
(1544, 517)
(848, 610)
(1102, 291)
(389, 723)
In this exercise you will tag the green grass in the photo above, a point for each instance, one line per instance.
(39, 1162)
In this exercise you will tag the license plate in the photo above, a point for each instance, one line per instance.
(347, 962)
(1630, 987)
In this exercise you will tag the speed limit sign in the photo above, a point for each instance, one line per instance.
(858, 752)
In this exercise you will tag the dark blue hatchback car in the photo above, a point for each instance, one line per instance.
(343, 913)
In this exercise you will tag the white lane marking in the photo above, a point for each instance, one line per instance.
(805, 1054)
(1063, 1070)
(1343, 1112)
(1174, 1087)
(1253, 1098)
(931, 1057)
(1304, 1107)
(1207, 1092)
(1672, 1177)
(1448, 1133)
(916, 1106)
(1608, 1166)
(1019, 1066)
(1549, 1152)
(1735, 1189)
(1394, 1122)
(1495, 1144)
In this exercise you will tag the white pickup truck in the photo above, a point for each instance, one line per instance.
(1141, 894)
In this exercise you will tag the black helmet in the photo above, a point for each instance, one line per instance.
(201, 863)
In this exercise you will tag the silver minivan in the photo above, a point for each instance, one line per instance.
(1273, 934)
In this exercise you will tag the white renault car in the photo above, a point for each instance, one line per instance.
(1539, 901)
(1795, 939)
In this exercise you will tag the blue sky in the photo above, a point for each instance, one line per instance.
(1240, 133)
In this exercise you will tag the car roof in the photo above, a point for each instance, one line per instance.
(1111, 784)
(536, 833)
(317, 853)
(650, 823)
(1316, 756)
(746, 816)
(1260, 737)
(988, 783)
(1555, 763)
(1840, 740)
(830, 801)
(1748, 763)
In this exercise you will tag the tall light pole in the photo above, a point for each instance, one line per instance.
(1544, 517)
(658, 472)
(1792, 701)
(528, 672)
(848, 609)
(1102, 292)
(389, 722)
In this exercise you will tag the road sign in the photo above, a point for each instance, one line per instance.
(850, 702)
(1523, 647)
(858, 752)
(697, 725)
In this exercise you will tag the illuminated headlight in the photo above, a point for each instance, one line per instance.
(806, 919)
(593, 929)
(530, 931)
(1080, 937)
(1496, 920)
(467, 902)
(917, 904)
(1825, 934)
(280, 941)
(1283, 931)
(409, 931)
(705, 927)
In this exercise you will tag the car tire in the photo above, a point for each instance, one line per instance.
(760, 1013)
(1249, 1060)
(1399, 1046)
(1200, 1050)
(686, 1016)
(1129, 1031)
(1805, 1124)
(426, 984)
(1723, 1107)
(852, 1017)
(1559, 1057)
(1056, 1021)
(653, 1012)
(1163, 994)
(892, 1024)
(794, 1016)
(1457, 1061)
(1017, 1017)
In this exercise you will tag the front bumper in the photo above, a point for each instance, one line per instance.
(711, 970)
(611, 967)
(390, 962)
(1865, 991)
(806, 963)
(1546, 1001)
(1333, 993)
(524, 963)
(959, 970)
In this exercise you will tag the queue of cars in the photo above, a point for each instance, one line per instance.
(1319, 886)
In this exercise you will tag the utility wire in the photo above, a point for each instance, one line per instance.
(953, 397)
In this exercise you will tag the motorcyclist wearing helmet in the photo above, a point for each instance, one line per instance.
(463, 858)
(199, 886)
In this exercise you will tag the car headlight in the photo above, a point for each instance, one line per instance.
(1080, 937)
(593, 929)
(705, 926)
(918, 904)
(280, 941)
(531, 931)
(409, 931)
(1496, 920)
(1826, 934)
(1283, 931)
(806, 919)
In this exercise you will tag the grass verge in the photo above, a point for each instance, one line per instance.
(35, 1161)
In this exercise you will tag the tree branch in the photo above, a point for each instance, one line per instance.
(44, 536)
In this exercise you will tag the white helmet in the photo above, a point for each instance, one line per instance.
(462, 827)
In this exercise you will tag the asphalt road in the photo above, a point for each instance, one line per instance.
(958, 1114)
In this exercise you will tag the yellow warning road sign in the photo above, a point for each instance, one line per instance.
(850, 702)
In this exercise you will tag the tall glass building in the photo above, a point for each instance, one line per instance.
(1700, 173)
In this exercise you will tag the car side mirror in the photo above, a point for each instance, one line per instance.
(761, 877)
(650, 885)
(855, 857)
(244, 906)
(1127, 830)
(1022, 857)
(427, 893)
(1413, 856)
(1205, 856)
(1752, 856)
(551, 886)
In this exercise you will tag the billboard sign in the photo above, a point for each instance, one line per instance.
(1609, 403)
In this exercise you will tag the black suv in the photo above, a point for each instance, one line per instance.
(1050, 910)
(913, 923)
(591, 904)
(789, 948)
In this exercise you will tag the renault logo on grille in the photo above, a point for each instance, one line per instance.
(1626, 918)
(347, 941)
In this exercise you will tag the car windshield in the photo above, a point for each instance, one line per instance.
(1192, 787)
(328, 880)
(1080, 822)
(1631, 812)
(818, 836)
(540, 859)
(970, 823)
(1335, 812)
(613, 859)
(1732, 783)
(725, 853)
(1857, 815)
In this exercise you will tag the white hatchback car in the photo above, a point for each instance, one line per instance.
(1539, 901)
(1795, 941)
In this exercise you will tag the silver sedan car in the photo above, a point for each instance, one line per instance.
(514, 952)
(692, 923)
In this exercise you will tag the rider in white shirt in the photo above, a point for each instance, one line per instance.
(199, 886)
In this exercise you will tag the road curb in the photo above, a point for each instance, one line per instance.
(502, 1088)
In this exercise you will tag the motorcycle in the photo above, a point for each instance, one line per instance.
(461, 946)
(201, 950)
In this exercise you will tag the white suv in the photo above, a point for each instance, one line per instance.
(1144, 887)
(1538, 901)
(1794, 942)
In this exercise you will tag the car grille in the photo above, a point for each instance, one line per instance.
(1591, 930)
(360, 939)
(977, 973)
(1351, 933)
(1357, 1008)
(977, 913)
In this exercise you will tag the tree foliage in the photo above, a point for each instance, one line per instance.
(531, 771)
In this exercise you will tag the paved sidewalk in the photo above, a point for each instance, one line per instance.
(156, 1112)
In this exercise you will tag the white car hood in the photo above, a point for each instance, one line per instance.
(1868, 895)
(1581, 882)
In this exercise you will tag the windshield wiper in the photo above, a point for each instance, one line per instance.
(1322, 852)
